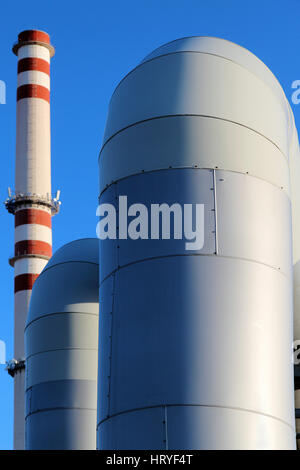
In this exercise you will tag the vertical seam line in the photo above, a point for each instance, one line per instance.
(216, 212)
(110, 351)
(166, 428)
(111, 334)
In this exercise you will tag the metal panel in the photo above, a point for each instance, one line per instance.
(294, 163)
(66, 298)
(196, 187)
(193, 427)
(169, 85)
(295, 175)
(297, 301)
(253, 225)
(85, 249)
(65, 364)
(225, 429)
(106, 304)
(297, 407)
(61, 394)
(19, 409)
(63, 331)
(141, 429)
(61, 430)
(226, 49)
(184, 329)
(108, 250)
(185, 141)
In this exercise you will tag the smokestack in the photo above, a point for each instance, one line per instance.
(31, 203)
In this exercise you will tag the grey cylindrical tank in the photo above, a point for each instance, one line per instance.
(61, 351)
(195, 346)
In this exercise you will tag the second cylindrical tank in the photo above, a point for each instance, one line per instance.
(61, 340)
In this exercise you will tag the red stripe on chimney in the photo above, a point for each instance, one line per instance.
(32, 216)
(33, 247)
(25, 281)
(33, 91)
(33, 63)
(34, 35)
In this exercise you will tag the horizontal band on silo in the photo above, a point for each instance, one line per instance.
(76, 429)
(25, 281)
(121, 156)
(32, 216)
(84, 327)
(34, 35)
(33, 63)
(61, 394)
(65, 364)
(144, 429)
(211, 99)
(33, 247)
(33, 91)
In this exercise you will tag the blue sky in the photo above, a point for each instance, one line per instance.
(97, 43)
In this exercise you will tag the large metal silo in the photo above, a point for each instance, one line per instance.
(61, 340)
(195, 346)
(295, 191)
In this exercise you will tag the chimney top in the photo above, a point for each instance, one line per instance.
(33, 36)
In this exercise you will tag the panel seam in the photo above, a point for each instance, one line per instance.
(67, 262)
(60, 349)
(210, 54)
(59, 313)
(216, 212)
(166, 428)
(44, 410)
(193, 167)
(167, 116)
(181, 405)
(153, 258)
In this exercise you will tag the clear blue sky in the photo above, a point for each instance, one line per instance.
(97, 43)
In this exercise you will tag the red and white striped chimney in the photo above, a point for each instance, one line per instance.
(31, 203)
